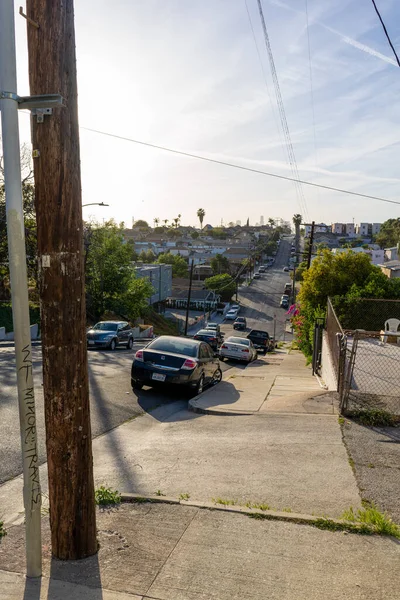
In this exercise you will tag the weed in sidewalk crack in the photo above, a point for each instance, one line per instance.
(184, 496)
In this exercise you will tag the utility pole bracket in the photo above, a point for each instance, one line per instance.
(40, 105)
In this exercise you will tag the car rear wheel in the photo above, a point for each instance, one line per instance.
(136, 385)
(113, 345)
(130, 344)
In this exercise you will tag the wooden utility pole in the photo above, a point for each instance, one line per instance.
(188, 298)
(55, 141)
(311, 245)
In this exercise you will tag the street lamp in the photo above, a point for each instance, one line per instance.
(95, 204)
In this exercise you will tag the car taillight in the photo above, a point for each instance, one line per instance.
(212, 339)
(139, 355)
(224, 346)
(189, 364)
(245, 350)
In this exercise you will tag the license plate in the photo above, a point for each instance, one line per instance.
(158, 377)
(91, 343)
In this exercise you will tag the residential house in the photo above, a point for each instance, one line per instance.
(160, 277)
(391, 269)
(202, 272)
(319, 227)
(391, 254)
(199, 299)
(236, 253)
(376, 255)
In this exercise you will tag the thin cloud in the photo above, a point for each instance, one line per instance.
(362, 47)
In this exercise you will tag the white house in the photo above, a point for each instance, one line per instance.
(376, 256)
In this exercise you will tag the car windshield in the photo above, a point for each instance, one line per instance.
(230, 312)
(240, 320)
(261, 334)
(106, 326)
(206, 333)
(212, 325)
(238, 340)
(174, 345)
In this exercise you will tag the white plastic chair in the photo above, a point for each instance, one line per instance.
(391, 328)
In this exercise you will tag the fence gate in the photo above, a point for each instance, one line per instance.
(317, 345)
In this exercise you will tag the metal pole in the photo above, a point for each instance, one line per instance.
(311, 245)
(274, 326)
(19, 290)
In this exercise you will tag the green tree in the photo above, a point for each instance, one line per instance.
(179, 264)
(297, 220)
(111, 284)
(389, 234)
(220, 264)
(223, 285)
(271, 222)
(201, 213)
(140, 225)
(334, 275)
(194, 235)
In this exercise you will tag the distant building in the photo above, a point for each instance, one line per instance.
(363, 229)
(376, 255)
(391, 269)
(199, 299)
(262, 220)
(239, 223)
(391, 254)
(160, 277)
(376, 227)
(318, 228)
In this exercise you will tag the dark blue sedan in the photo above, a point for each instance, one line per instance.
(177, 361)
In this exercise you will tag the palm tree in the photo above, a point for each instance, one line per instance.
(165, 221)
(271, 221)
(297, 219)
(156, 222)
(201, 213)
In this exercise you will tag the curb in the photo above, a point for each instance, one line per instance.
(11, 344)
(218, 413)
(271, 515)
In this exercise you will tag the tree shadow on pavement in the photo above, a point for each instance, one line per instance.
(85, 572)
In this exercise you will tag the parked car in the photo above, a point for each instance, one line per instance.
(177, 361)
(235, 307)
(231, 314)
(261, 340)
(261, 269)
(110, 334)
(288, 288)
(215, 327)
(208, 335)
(256, 276)
(284, 301)
(240, 324)
(286, 269)
(238, 348)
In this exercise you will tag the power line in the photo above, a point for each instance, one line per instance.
(282, 113)
(386, 32)
(241, 167)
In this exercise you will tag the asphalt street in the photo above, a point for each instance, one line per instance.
(111, 398)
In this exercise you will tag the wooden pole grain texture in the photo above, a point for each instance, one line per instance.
(52, 69)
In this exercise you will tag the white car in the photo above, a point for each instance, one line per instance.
(235, 307)
(231, 315)
(238, 348)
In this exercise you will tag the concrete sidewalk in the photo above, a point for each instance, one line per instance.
(279, 383)
(176, 552)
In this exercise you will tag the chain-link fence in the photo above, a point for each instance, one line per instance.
(369, 314)
(371, 374)
(365, 358)
(334, 332)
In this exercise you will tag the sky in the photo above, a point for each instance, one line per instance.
(186, 74)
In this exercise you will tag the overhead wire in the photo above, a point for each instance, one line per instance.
(386, 32)
(241, 167)
(282, 114)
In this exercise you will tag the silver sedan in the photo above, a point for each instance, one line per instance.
(238, 348)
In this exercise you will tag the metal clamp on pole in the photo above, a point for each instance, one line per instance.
(40, 105)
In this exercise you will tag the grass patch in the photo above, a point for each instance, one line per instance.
(223, 501)
(351, 463)
(184, 496)
(262, 506)
(371, 518)
(159, 493)
(107, 496)
(341, 420)
(371, 466)
(375, 417)
(3, 531)
(288, 510)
